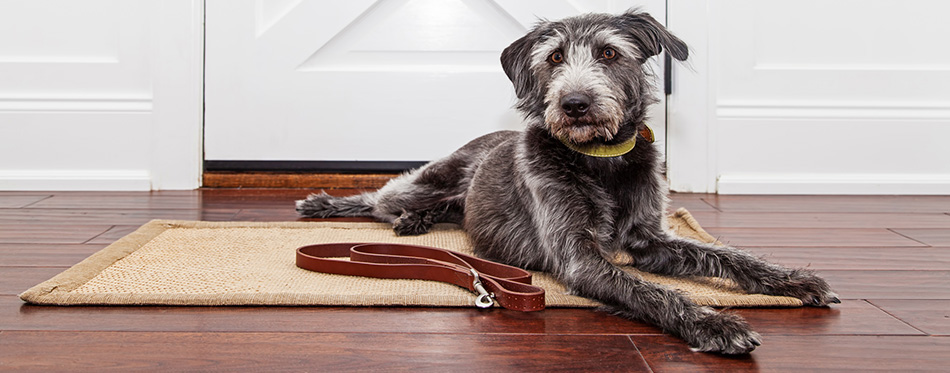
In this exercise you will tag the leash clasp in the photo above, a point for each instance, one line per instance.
(484, 299)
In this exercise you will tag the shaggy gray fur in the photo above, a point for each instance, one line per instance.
(528, 200)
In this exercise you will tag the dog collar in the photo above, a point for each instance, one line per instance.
(609, 151)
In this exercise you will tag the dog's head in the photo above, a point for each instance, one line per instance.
(583, 77)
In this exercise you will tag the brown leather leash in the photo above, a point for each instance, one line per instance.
(493, 282)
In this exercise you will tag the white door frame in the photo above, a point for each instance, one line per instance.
(177, 143)
(691, 153)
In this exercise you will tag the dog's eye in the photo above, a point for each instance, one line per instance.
(556, 57)
(608, 53)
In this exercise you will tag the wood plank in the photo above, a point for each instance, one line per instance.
(694, 202)
(48, 216)
(315, 351)
(11, 200)
(14, 314)
(744, 219)
(166, 199)
(889, 284)
(294, 180)
(825, 203)
(45, 255)
(113, 234)
(851, 317)
(929, 315)
(811, 237)
(43, 233)
(254, 194)
(260, 198)
(15, 280)
(858, 258)
(932, 237)
(804, 353)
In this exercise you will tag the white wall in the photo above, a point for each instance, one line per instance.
(100, 94)
(812, 97)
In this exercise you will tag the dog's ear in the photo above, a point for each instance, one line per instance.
(651, 36)
(516, 60)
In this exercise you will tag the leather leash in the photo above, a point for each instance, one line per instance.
(493, 282)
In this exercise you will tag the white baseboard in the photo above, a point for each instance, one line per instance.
(867, 184)
(58, 180)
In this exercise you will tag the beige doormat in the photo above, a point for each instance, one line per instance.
(168, 262)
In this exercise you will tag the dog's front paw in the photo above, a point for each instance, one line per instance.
(805, 285)
(723, 333)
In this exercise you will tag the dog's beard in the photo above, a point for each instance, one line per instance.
(601, 123)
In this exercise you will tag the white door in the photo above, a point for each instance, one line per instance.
(100, 94)
(364, 80)
(812, 96)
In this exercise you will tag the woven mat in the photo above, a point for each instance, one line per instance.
(168, 262)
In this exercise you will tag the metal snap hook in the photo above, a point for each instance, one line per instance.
(484, 299)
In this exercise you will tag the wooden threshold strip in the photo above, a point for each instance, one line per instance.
(294, 180)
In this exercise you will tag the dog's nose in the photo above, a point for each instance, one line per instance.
(575, 105)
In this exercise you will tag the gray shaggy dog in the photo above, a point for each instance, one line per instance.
(568, 194)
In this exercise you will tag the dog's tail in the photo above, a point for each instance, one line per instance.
(323, 205)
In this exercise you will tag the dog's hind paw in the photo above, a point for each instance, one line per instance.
(412, 223)
(722, 333)
(315, 206)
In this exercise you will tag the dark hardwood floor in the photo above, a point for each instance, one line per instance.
(887, 256)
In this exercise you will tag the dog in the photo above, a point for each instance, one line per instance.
(580, 185)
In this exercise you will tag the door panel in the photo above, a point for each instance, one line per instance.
(389, 80)
(813, 97)
(100, 95)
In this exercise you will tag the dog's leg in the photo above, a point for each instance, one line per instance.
(385, 204)
(408, 202)
(571, 247)
(684, 257)
(416, 200)
(629, 296)
(412, 209)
